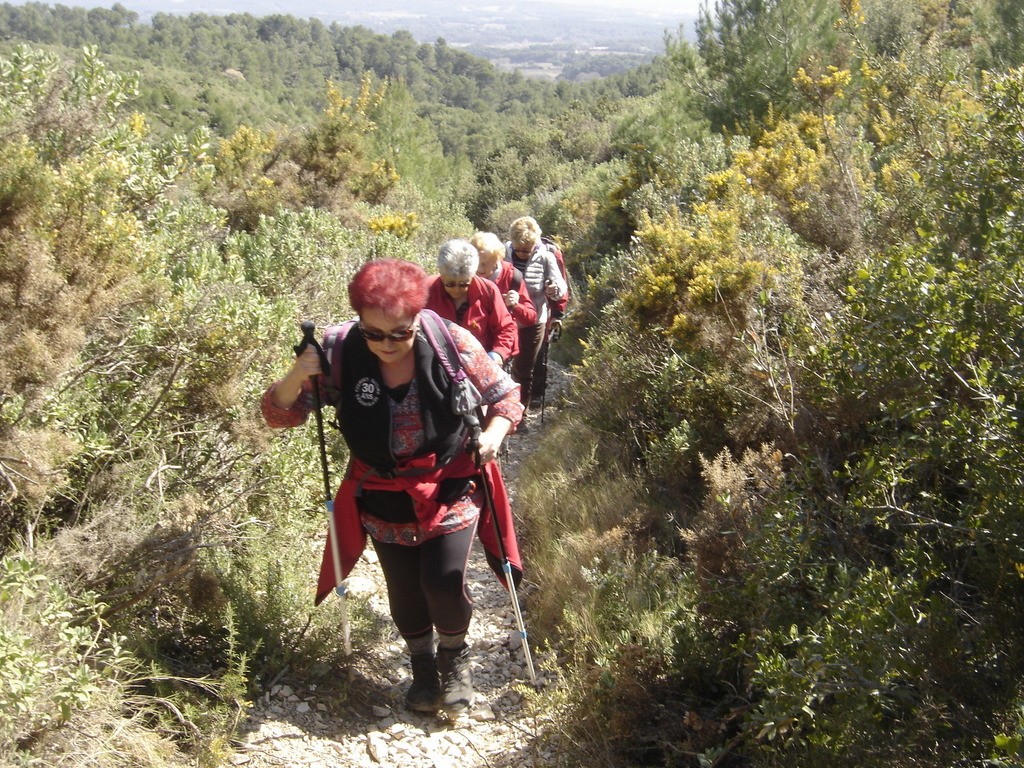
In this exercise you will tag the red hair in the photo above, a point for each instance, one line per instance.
(397, 288)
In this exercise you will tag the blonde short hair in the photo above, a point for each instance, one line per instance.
(524, 231)
(488, 244)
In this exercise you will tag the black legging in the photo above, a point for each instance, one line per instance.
(530, 339)
(427, 583)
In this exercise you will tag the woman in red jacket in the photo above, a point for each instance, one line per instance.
(509, 280)
(410, 485)
(457, 294)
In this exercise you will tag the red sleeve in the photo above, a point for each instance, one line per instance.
(503, 327)
(558, 306)
(278, 417)
(524, 313)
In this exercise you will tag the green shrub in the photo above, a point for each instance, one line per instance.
(611, 605)
(58, 659)
(43, 641)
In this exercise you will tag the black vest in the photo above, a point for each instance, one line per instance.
(365, 415)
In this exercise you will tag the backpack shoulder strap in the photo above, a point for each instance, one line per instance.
(464, 395)
(334, 336)
(517, 279)
(435, 328)
(556, 251)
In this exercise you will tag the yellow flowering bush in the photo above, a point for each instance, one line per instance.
(404, 226)
(788, 162)
(692, 272)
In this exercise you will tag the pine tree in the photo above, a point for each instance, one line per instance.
(751, 49)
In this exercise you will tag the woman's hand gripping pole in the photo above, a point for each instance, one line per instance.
(309, 339)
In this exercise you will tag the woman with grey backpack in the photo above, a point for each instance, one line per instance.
(544, 280)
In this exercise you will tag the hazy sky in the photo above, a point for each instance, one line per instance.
(674, 7)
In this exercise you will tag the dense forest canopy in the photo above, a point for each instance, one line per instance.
(780, 526)
(226, 71)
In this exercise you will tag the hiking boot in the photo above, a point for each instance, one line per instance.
(425, 692)
(456, 679)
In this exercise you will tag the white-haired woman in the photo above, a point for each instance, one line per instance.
(457, 294)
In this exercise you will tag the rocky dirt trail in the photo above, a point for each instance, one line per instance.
(362, 722)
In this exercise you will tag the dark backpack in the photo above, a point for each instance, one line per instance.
(517, 279)
(464, 395)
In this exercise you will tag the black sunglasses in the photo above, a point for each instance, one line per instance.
(371, 334)
(457, 284)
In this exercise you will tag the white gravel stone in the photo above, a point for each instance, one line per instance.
(377, 747)
(481, 712)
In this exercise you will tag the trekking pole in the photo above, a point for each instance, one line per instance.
(548, 338)
(554, 336)
(506, 566)
(544, 370)
(503, 451)
(309, 339)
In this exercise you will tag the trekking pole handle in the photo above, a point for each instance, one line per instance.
(309, 339)
(308, 327)
(473, 444)
(549, 294)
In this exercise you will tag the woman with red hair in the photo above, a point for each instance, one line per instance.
(411, 485)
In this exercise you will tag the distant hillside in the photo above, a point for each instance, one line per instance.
(544, 40)
(226, 71)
